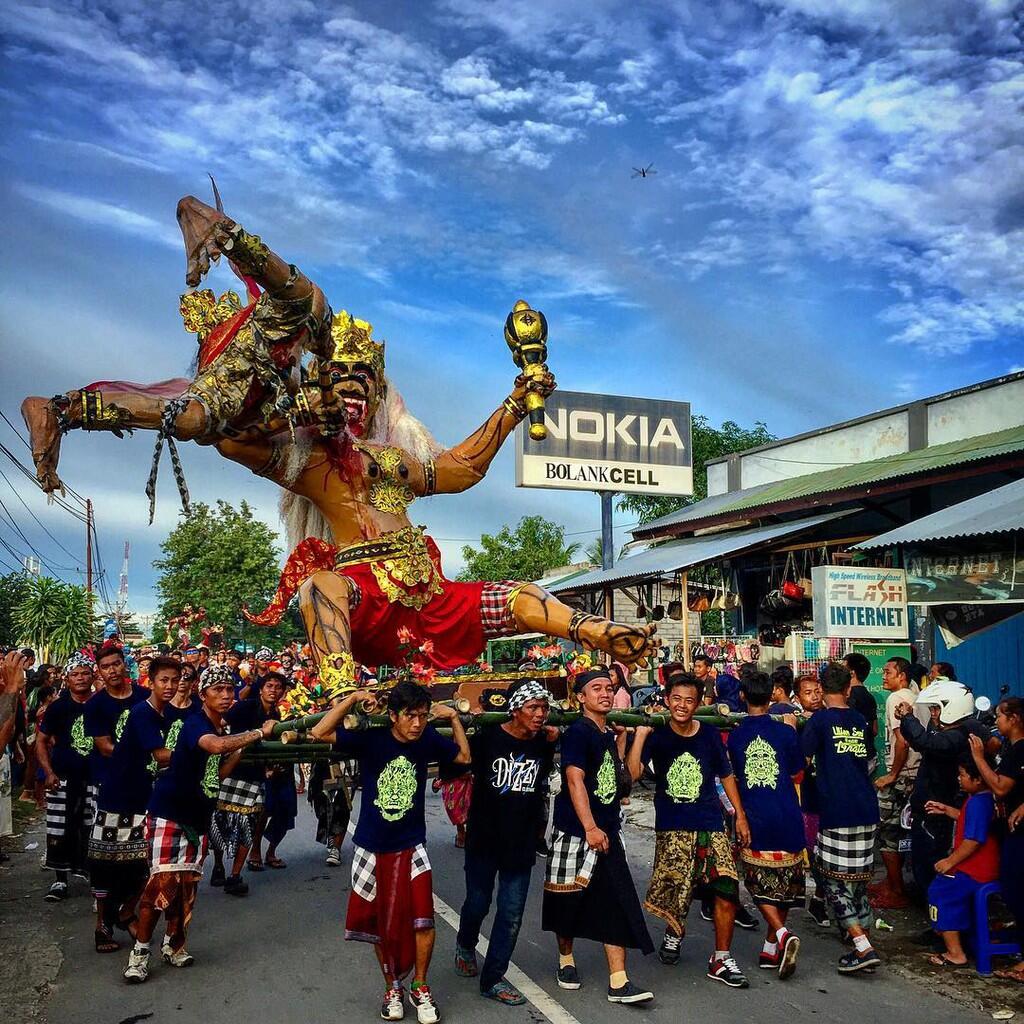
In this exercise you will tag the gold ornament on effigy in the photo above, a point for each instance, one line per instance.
(408, 575)
(389, 494)
(337, 674)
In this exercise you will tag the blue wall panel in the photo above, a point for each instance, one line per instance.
(990, 659)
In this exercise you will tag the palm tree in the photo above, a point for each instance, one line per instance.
(54, 618)
(595, 551)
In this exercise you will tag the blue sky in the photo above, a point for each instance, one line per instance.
(835, 226)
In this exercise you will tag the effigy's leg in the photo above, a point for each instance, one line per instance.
(115, 411)
(535, 610)
(324, 603)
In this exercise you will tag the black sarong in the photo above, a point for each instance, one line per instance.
(606, 910)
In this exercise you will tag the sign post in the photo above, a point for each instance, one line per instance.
(860, 603)
(609, 443)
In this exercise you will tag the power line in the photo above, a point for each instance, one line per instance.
(70, 554)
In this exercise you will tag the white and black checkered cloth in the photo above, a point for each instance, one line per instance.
(240, 796)
(571, 863)
(57, 809)
(118, 837)
(364, 870)
(847, 853)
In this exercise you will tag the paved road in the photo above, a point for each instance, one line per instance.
(279, 956)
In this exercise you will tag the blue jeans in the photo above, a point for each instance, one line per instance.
(513, 887)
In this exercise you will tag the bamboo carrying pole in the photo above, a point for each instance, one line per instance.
(295, 726)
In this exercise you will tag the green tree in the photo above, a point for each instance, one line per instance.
(708, 443)
(220, 558)
(55, 618)
(595, 551)
(533, 548)
(13, 588)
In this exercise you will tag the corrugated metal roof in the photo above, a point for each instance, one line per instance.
(860, 474)
(681, 554)
(995, 512)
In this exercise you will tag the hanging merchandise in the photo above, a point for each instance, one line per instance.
(698, 602)
(675, 610)
(793, 648)
(805, 582)
(790, 588)
(732, 595)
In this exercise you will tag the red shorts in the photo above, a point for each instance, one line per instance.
(458, 618)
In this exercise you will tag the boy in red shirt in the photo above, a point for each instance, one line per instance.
(973, 862)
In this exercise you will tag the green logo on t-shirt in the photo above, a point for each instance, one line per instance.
(211, 777)
(172, 733)
(849, 741)
(762, 767)
(80, 743)
(683, 779)
(607, 784)
(396, 789)
(121, 721)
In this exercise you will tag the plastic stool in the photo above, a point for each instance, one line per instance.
(984, 947)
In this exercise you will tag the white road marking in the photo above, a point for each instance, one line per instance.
(551, 1008)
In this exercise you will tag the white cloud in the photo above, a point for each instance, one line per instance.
(109, 215)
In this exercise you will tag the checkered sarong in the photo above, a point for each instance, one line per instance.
(240, 796)
(118, 837)
(496, 608)
(364, 870)
(57, 809)
(847, 853)
(571, 863)
(171, 848)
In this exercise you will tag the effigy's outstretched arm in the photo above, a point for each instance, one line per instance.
(459, 468)
(536, 611)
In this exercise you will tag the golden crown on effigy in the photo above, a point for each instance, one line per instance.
(353, 344)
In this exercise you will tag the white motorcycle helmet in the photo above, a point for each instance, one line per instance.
(955, 700)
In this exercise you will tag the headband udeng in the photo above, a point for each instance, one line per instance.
(530, 690)
(588, 677)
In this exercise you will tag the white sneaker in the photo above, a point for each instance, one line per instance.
(393, 1008)
(183, 958)
(137, 970)
(333, 857)
(426, 1009)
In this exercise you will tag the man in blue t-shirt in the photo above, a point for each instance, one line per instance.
(107, 710)
(766, 758)
(178, 820)
(588, 891)
(392, 901)
(839, 742)
(118, 852)
(63, 750)
(692, 850)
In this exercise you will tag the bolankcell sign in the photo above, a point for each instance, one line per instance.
(609, 443)
(860, 603)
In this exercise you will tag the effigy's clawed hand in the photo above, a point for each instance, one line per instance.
(204, 231)
(542, 384)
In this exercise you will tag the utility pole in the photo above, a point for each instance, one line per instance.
(88, 545)
(607, 550)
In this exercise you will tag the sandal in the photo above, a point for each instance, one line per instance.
(254, 865)
(276, 863)
(943, 961)
(105, 941)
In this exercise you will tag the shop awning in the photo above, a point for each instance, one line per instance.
(842, 483)
(998, 511)
(682, 554)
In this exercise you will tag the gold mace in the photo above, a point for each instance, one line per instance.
(526, 334)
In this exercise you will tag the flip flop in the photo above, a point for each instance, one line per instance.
(1008, 974)
(943, 961)
(105, 942)
(254, 865)
(276, 863)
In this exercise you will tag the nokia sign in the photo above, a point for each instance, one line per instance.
(609, 443)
